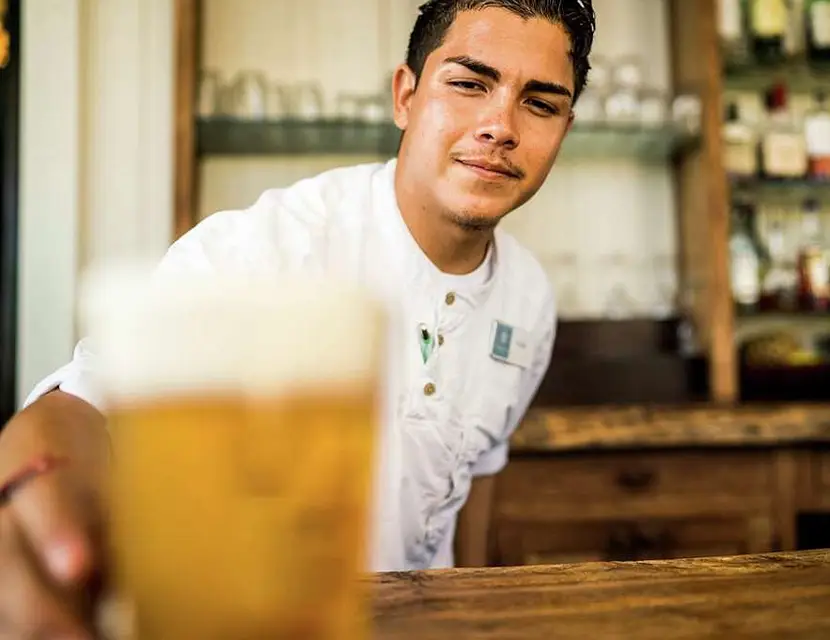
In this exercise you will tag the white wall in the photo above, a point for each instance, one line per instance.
(587, 210)
(96, 156)
(49, 184)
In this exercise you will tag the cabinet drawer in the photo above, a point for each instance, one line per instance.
(823, 467)
(646, 539)
(814, 480)
(624, 485)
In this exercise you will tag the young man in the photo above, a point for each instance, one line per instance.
(484, 100)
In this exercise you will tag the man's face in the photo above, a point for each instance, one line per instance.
(485, 123)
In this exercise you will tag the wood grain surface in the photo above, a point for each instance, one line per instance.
(703, 425)
(758, 596)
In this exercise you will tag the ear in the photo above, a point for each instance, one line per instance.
(403, 90)
(571, 118)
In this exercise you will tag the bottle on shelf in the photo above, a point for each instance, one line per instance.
(768, 20)
(783, 147)
(817, 138)
(740, 145)
(813, 267)
(795, 37)
(733, 33)
(818, 31)
(779, 282)
(745, 264)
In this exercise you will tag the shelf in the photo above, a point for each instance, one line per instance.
(225, 136)
(778, 191)
(799, 77)
(649, 144)
(783, 316)
(222, 136)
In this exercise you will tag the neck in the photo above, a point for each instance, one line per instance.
(451, 247)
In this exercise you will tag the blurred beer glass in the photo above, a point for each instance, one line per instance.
(243, 415)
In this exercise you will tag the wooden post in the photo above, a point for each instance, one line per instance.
(703, 192)
(188, 14)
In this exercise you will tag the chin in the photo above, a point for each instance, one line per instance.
(481, 208)
(476, 215)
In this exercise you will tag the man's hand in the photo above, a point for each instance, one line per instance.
(51, 528)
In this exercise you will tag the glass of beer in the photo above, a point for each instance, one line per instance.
(243, 416)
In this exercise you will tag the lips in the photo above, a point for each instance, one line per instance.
(488, 168)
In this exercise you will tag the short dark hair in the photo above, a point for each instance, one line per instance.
(435, 17)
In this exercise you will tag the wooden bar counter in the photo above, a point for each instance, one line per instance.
(777, 595)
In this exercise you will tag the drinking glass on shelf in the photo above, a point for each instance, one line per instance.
(627, 73)
(623, 104)
(278, 102)
(591, 106)
(210, 94)
(654, 108)
(687, 113)
(248, 95)
(307, 101)
(348, 106)
(373, 109)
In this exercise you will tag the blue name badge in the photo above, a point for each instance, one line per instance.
(509, 344)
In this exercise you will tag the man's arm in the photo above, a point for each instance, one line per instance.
(473, 526)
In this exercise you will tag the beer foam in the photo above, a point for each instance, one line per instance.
(186, 333)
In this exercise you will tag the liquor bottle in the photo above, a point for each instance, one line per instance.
(744, 260)
(732, 33)
(779, 282)
(795, 37)
(768, 28)
(813, 268)
(818, 31)
(783, 147)
(740, 145)
(817, 138)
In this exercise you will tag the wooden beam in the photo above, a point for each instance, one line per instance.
(188, 14)
(703, 193)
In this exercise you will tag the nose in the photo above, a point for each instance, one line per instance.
(497, 126)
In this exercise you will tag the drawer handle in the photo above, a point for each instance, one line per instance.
(635, 480)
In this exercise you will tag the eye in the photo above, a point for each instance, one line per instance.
(543, 107)
(467, 85)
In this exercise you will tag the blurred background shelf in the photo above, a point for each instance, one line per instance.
(228, 136)
(799, 76)
(778, 191)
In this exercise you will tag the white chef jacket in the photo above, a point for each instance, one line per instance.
(448, 419)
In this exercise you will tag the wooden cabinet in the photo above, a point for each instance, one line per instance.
(639, 505)
(813, 480)
(635, 538)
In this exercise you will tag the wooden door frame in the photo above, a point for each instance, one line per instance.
(186, 75)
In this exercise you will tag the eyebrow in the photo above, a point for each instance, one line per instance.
(484, 69)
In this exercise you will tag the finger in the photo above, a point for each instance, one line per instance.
(57, 524)
(29, 607)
